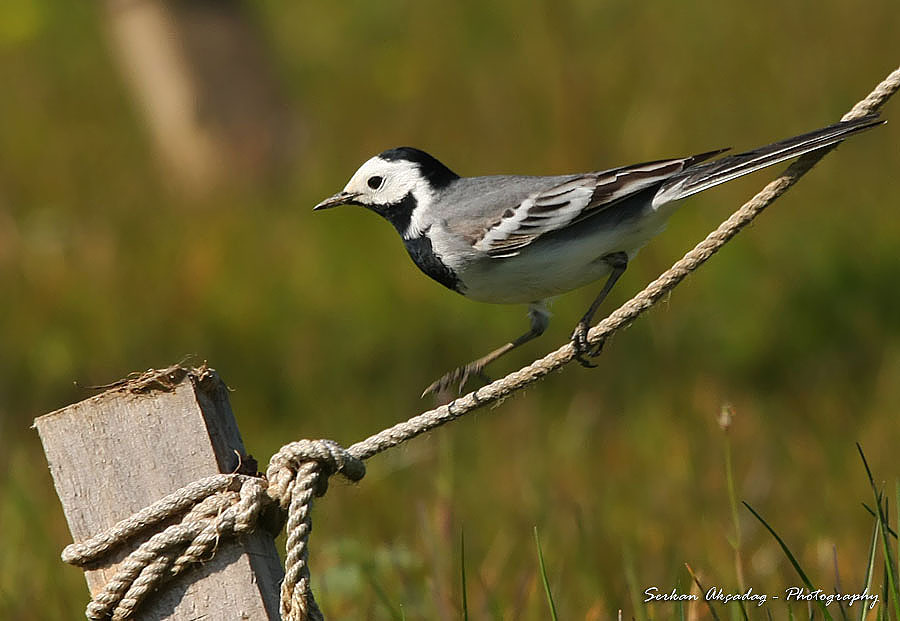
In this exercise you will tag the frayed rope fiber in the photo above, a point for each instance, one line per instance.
(229, 505)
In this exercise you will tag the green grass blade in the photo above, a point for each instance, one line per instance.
(547, 591)
(840, 606)
(712, 611)
(838, 588)
(897, 509)
(871, 512)
(889, 567)
(462, 574)
(735, 519)
(791, 558)
(679, 605)
(870, 568)
(641, 612)
(890, 577)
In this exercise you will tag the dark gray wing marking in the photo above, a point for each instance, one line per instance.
(572, 201)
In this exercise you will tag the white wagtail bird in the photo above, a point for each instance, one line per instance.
(510, 239)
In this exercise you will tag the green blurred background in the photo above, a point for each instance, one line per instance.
(116, 256)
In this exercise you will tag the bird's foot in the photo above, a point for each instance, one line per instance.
(460, 375)
(583, 347)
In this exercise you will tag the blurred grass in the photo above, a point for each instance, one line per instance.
(325, 329)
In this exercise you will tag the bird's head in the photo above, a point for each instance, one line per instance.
(393, 184)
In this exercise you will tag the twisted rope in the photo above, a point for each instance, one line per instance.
(228, 505)
(213, 509)
(297, 473)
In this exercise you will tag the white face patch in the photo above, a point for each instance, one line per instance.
(387, 182)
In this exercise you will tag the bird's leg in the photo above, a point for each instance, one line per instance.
(540, 319)
(618, 261)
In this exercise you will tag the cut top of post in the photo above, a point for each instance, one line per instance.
(116, 453)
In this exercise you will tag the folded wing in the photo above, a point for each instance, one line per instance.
(574, 200)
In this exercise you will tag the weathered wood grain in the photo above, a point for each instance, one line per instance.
(115, 453)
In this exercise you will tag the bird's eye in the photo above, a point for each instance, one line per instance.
(375, 182)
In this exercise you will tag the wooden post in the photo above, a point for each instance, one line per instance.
(119, 451)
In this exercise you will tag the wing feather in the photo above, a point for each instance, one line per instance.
(574, 200)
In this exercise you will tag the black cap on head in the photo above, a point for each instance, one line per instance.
(437, 174)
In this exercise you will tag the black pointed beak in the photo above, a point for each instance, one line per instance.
(341, 198)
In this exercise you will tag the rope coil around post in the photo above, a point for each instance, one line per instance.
(212, 509)
(225, 505)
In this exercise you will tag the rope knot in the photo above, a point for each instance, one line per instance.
(318, 459)
(220, 506)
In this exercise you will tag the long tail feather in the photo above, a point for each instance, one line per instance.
(704, 176)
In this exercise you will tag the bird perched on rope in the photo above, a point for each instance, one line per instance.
(509, 239)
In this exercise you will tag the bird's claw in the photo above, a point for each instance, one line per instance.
(583, 347)
(460, 375)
